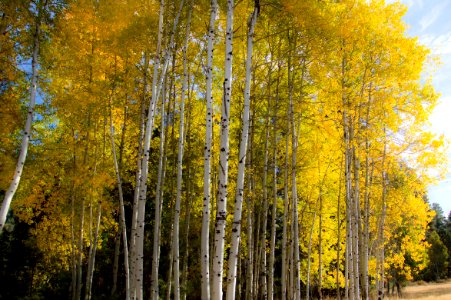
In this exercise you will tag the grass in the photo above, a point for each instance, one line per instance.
(423, 291)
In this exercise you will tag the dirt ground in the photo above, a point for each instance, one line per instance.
(429, 291)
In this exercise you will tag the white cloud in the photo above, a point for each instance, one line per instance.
(411, 3)
(439, 45)
(433, 15)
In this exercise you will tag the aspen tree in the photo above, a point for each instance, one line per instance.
(354, 166)
(294, 196)
(79, 284)
(138, 256)
(285, 221)
(320, 248)
(326, 96)
(380, 276)
(366, 208)
(92, 244)
(205, 235)
(169, 55)
(350, 289)
(236, 225)
(262, 273)
(41, 6)
(142, 124)
(90, 273)
(219, 239)
(189, 191)
(249, 207)
(275, 196)
(154, 289)
(181, 143)
(337, 282)
(72, 228)
(309, 251)
(286, 245)
(156, 89)
(257, 252)
(123, 225)
(171, 111)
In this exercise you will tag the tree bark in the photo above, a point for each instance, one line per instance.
(355, 212)
(295, 222)
(133, 226)
(218, 260)
(27, 130)
(262, 274)
(285, 220)
(154, 286)
(92, 244)
(339, 231)
(274, 204)
(91, 265)
(189, 197)
(236, 225)
(156, 89)
(366, 208)
(205, 235)
(181, 144)
(73, 286)
(79, 285)
(121, 206)
(309, 252)
(350, 271)
(249, 206)
(140, 222)
(380, 231)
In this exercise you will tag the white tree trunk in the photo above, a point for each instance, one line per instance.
(92, 244)
(236, 225)
(309, 255)
(350, 289)
(92, 259)
(80, 252)
(27, 131)
(73, 246)
(159, 197)
(205, 235)
(350, 279)
(154, 288)
(366, 208)
(139, 233)
(264, 224)
(355, 217)
(320, 247)
(339, 231)
(181, 143)
(132, 252)
(218, 260)
(121, 207)
(274, 204)
(285, 223)
(189, 201)
(381, 247)
(294, 196)
(250, 240)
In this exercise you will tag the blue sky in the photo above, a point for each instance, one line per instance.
(430, 20)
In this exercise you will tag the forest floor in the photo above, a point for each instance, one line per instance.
(429, 291)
